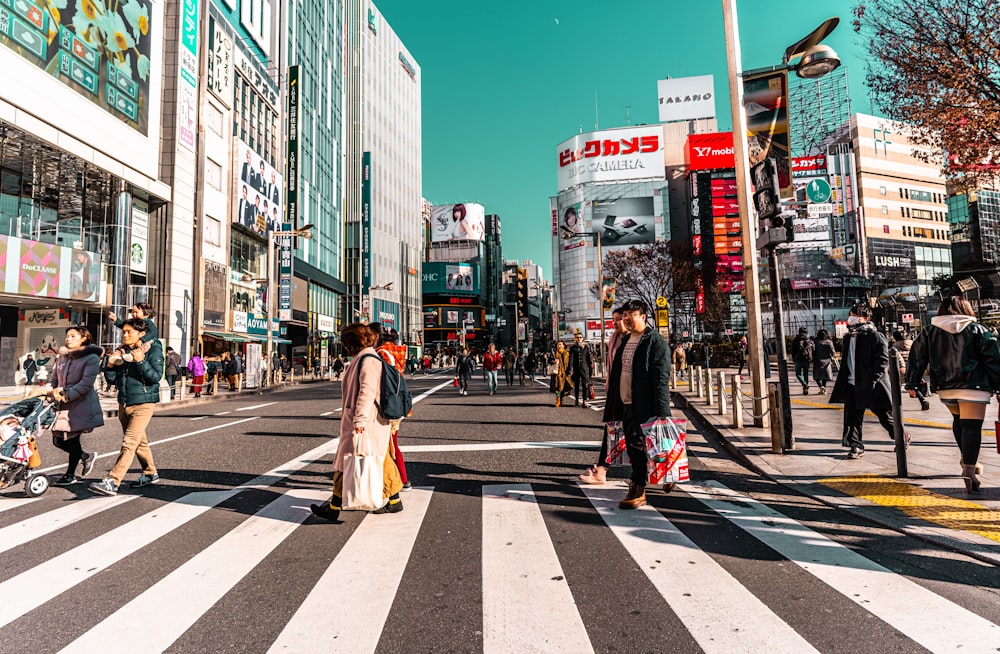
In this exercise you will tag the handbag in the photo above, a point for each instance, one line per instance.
(614, 435)
(362, 489)
(62, 421)
(454, 382)
(592, 392)
(553, 368)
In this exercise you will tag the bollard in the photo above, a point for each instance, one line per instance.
(673, 379)
(699, 391)
(722, 393)
(180, 394)
(774, 401)
(709, 389)
(737, 403)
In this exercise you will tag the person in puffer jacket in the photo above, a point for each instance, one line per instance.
(964, 359)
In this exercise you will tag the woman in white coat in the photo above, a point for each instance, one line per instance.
(360, 388)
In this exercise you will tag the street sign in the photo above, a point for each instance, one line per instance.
(907, 317)
(816, 210)
(490, 317)
(818, 190)
(661, 302)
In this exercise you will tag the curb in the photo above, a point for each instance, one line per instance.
(939, 536)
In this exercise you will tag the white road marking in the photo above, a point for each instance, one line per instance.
(721, 614)
(338, 409)
(517, 445)
(27, 530)
(222, 413)
(327, 413)
(427, 394)
(214, 572)
(45, 581)
(939, 625)
(199, 418)
(6, 503)
(370, 566)
(162, 440)
(255, 406)
(527, 603)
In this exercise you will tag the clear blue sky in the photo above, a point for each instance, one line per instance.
(505, 82)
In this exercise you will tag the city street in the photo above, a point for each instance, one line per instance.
(498, 549)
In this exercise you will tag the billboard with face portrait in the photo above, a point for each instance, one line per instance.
(450, 278)
(259, 192)
(458, 222)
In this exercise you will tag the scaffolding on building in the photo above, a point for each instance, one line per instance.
(818, 109)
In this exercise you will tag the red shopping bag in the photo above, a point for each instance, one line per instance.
(614, 434)
(591, 393)
(454, 382)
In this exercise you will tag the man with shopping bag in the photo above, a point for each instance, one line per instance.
(640, 379)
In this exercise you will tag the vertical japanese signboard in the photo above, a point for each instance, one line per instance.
(187, 92)
(366, 222)
(291, 198)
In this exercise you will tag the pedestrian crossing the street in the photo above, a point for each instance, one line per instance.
(694, 558)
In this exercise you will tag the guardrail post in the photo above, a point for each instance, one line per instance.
(774, 401)
(722, 393)
(737, 385)
(709, 389)
(180, 394)
(673, 379)
(697, 382)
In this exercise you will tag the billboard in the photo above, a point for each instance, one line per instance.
(458, 222)
(628, 153)
(259, 192)
(710, 151)
(450, 278)
(765, 102)
(627, 221)
(52, 271)
(686, 98)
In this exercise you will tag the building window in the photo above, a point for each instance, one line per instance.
(213, 174)
(885, 229)
(885, 209)
(921, 232)
(882, 139)
(881, 190)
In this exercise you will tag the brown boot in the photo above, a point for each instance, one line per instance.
(595, 475)
(636, 497)
(970, 479)
(558, 400)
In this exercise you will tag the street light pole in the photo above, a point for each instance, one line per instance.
(751, 271)
(600, 295)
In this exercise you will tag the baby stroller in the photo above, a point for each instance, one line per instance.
(21, 424)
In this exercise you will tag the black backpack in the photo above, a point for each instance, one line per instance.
(395, 400)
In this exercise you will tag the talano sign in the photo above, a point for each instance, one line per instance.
(686, 98)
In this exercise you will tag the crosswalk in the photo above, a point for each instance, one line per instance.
(692, 560)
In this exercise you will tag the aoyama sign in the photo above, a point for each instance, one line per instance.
(612, 155)
(710, 151)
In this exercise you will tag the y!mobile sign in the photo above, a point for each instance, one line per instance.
(611, 155)
(710, 151)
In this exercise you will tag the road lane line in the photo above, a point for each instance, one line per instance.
(213, 572)
(255, 406)
(325, 414)
(27, 530)
(427, 394)
(516, 445)
(721, 614)
(55, 576)
(199, 418)
(940, 625)
(222, 413)
(527, 603)
(332, 618)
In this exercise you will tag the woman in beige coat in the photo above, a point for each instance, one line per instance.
(360, 388)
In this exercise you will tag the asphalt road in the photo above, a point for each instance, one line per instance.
(497, 549)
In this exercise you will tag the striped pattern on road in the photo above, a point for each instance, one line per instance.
(530, 599)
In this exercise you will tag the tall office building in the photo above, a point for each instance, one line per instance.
(382, 174)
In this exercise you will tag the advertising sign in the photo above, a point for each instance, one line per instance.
(628, 221)
(809, 166)
(686, 98)
(52, 271)
(139, 252)
(187, 96)
(259, 189)
(608, 285)
(450, 278)
(571, 219)
(457, 222)
(291, 219)
(710, 151)
(220, 61)
(366, 221)
(99, 48)
(765, 102)
(285, 274)
(611, 155)
(216, 288)
(811, 229)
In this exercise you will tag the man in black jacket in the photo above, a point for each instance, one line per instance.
(638, 391)
(581, 368)
(863, 380)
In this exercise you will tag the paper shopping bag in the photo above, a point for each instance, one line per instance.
(362, 477)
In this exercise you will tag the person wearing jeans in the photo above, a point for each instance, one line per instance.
(135, 369)
(492, 361)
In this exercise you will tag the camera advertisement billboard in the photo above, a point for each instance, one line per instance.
(628, 153)
(623, 222)
(259, 192)
(458, 222)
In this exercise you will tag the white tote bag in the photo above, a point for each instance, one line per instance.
(363, 476)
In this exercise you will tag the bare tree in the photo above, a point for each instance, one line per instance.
(935, 64)
(645, 272)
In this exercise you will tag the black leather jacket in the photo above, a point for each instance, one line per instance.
(969, 359)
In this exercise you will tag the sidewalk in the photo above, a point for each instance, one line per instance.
(930, 503)
(109, 400)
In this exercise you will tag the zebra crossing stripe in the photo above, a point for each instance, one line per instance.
(347, 608)
(6, 504)
(527, 603)
(27, 530)
(721, 614)
(40, 584)
(939, 625)
(213, 572)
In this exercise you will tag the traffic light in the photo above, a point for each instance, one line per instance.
(522, 292)
(765, 198)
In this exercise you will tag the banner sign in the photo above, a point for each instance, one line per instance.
(710, 151)
(611, 155)
(686, 98)
(448, 278)
(458, 222)
(220, 61)
(52, 271)
(187, 93)
(259, 189)
(765, 102)
(809, 166)
(366, 222)
(285, 263)
(608, 286)
(139, 250)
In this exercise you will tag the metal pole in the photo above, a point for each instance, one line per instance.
(779, 335)
(271, 290)
(600, 295)
(895, 396)
(751, 272)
